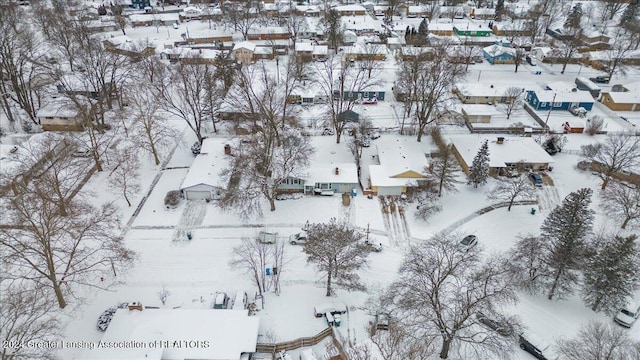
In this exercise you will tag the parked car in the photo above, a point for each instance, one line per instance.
(327, 131)
(578, 111)
(501, 327)
(373, 245)
(82, 153)
(533, 346)
(374, 135)
(382, 321)
(601, 79)
(468, 242)
(364, 141)
(330, 307)
(298, 239)
(537, 179)
(370, 101)
(628, 315)
(531, 60)
(267, 237)
(220, 301)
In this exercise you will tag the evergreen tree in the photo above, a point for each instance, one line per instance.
(574, 17)
(630, 13)
(564, 232)
(612, 274)
(479, 170)
(423, 29)
(499, 10)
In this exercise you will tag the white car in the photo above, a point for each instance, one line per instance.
(628, 315)
(298, 239)
(375, 246)
(468, 242)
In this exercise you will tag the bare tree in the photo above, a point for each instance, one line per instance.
(242, 16)
(124, 177)
(163, 295)
(511, 190)
(513, 100)
(622, 43)
(371, 61)
(540, 15)
(185, 95)
(59, 28)
(616, 154)
(27, 317)
(428, 201)
(333, 28)
(610, 8)
(22, 63)
(280, 261)
(569, 47)
(445, 170)
(342, 84)
(253, 257)
(429, 83)
(621, 200)
(336, 250)
(597, 341)
(58, 252)
(439, 290)
(150, 128)
(399, 343)
(49, 170)
(529, 266)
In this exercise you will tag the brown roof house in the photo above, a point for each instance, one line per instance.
(626, 100)
(60, 115)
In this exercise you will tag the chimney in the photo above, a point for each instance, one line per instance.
(135, 306)
(337, 171)
(227, 149)
(500, 140)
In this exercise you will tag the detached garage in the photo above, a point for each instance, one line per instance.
(203, 179)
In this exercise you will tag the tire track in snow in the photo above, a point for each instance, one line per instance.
(386, 219)
(548, 198)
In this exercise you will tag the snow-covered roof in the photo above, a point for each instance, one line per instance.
(379, 176)
(304, 46)
(398, 155)
(326, 173)
(479, 109)
(440, 27)
(471, 26)
(481, 89)
(206, 168)
(188, 53)
(497, 50)
(188, 333)
(513, 150)
(561, 86)
(60, 108)
(320, 50)
(165, 17)
(245, 45)
(350, 7)
(627, 97)
(263, 50)
(563, 95)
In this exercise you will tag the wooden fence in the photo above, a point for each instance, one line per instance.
(274, 349)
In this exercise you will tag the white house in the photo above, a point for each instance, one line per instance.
(203, 180)
(177, 334)
(401, 164)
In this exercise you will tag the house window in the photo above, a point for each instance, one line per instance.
(557, 104)
(295, 181)
(543, 104)
(467, 97)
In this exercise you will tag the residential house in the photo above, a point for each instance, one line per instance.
(601, 60)
(401, 164)
(124, 45)
(191, 13)
(409, 53)
(380, 10)
(211, 334)
(198, 56)
(304, 51)
(504, 152)
(263, 53)
(472, 29)
(209, 37)
(480, 93)
(140, 4)
(322, 178)
(626, 100)
(308, 10)
(497, 54)
(512, 28)
(441, 29)
(162, 19)
(60, 115)
(542, 99)
(320, 53)
(351, 10)
(244, 52)
(483, 13)
(452, 12)
(360, 51)
(349, 116)
(420, 11)
(203, 181)
(268, 33)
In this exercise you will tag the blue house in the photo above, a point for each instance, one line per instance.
(559, 100)
(365, 94)
(498, 54)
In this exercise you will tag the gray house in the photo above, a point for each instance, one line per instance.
(336, 178)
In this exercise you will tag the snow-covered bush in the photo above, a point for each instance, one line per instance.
(172, 199)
